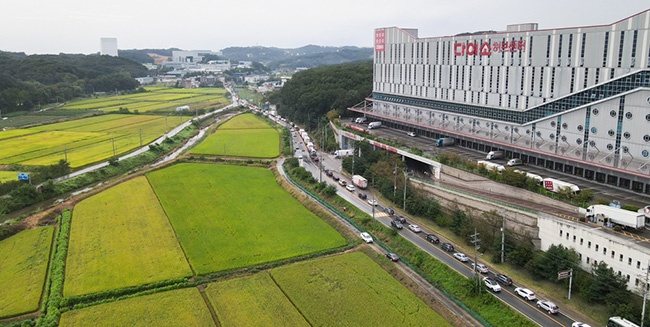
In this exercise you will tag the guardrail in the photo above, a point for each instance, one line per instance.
(387, 248)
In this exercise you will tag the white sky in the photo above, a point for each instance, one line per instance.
(75, 26)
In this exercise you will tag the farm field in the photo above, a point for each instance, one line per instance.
(242, 136)
(120, 238)
(23, 267)
(6, 175)
(230, 217)
(83, 141)
(183, 307)
(253, 301)
(23, 118)
(352, 288)
(155, 99)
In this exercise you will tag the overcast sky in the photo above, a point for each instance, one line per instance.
(75, 26)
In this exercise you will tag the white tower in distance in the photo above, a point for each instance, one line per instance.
(108, 46)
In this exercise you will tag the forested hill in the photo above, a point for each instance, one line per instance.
(26, 81)
(310, 94)
(308, 56)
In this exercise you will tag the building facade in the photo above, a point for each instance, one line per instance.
(575, 100)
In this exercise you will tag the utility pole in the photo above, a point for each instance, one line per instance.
(405, 179)
(65, 153)
(475, 241)
(503, 237)
(395, 182)
(113, 141)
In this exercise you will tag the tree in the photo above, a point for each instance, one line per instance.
(604, 283)
(555, 259)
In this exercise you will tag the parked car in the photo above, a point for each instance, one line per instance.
(447, 247)
(389, 211)
(483, 269)
(525, 293)
(362, 196)
(329, 173)
(392, 256)
(366, 237)
(350, 187)
(432, 238)
(411, 134)
(514, 162)
(343, 182)
(401, 219)
(461, 257)
(396, 224)
(492, 284)
(548, 306)
(503, 279)
(372, 202)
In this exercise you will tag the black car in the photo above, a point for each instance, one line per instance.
(362, 195)
(401, 219)
(447, 247)
(336, 178)
(392, 256)
(432, 238)
(503, 279)
(396, 224)
(389, 211)
(329, 173)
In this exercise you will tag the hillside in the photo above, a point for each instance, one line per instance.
(308, 56)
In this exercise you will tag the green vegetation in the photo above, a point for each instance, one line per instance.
(354, 289)
(230, 217)
(183, 307)
(120, 238)
(23, 267)
(6, 176)
(253, 301)
(242, 136)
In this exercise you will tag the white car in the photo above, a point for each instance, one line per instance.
(579, 324)
(366, 237)
(411, 134)
(548, 306)
(483, 269)
(461, 256)
(525, 293)
(350, 187)
(415, 228)
(514, 162)
(492, 284)
(372, 202)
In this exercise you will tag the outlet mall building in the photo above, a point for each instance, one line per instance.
(574, 100)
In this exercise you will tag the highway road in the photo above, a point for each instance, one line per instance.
(527, 308)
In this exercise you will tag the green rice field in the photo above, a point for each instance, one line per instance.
(23, 267)
(120, 238)
(242, 136)
(231, 216)
(6, 175)
(183, 307)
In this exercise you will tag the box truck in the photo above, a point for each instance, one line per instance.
(494, 155)
(374, 124)
(359, 181)
(445, 141)
(611, 216)
(555, 185)
(343, 153)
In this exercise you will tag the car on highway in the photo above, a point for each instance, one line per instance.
(343, 182)
(373, 202)
(579, 324)
(461, 257)
(514, 162)
(366, 237)
(525, 293)
(483, 269)
(350, 187)
(329, 173)
(492, 284)
(362, 196)
(503, 279)
(411, 134)
(396, 224)
(432, 238)
(400, 218)
(415, 228)
(392, 256)
(336, 178)
(315, 158)
(389, 211)
(447, 247)
(548, 306)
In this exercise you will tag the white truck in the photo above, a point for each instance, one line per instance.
(360, 120)
(491, 165)
(445, 141)
(555, 185)
(374, 124)
(343, 153)
(611, 216)
(494, 155)
(536, 177)
(359, 181)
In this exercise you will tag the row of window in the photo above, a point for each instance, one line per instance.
(612, 253)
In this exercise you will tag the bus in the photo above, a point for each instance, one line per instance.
(620, 322)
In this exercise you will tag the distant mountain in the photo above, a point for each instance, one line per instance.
(308, 56)
(144, 56)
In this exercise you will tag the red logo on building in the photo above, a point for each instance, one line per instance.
(380, 41)
(487, 49)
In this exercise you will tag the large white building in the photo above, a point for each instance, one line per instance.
(574, 99)
(108, 46)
